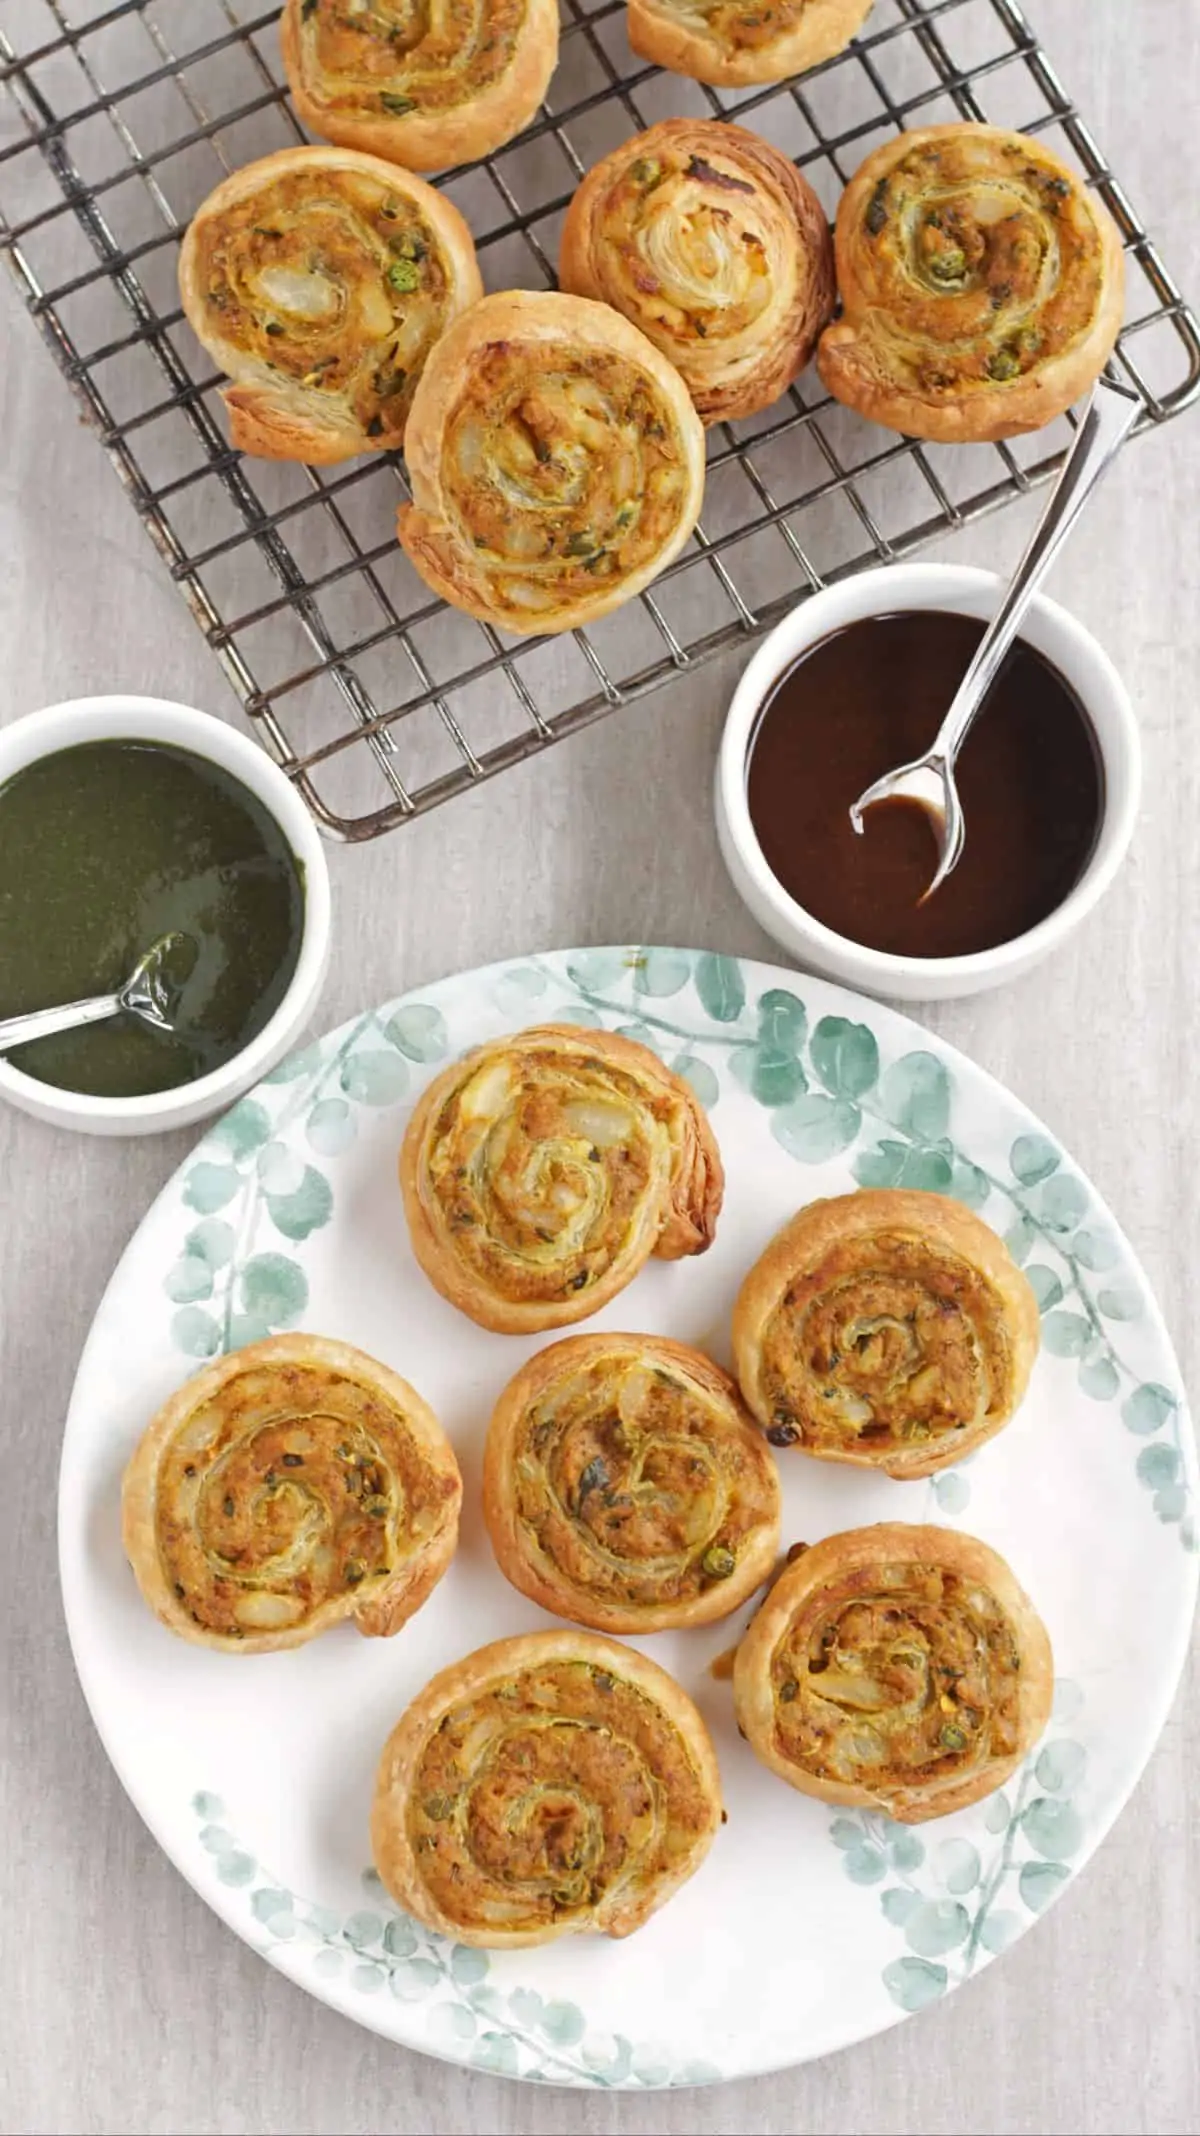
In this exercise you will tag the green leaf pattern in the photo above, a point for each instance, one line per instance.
(721, 987)
(943, 1896)
(257, 1192)
(231, 1283)
(376, 1950)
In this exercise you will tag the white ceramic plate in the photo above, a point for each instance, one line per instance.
(803, 1931)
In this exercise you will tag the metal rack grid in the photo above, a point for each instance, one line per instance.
(378, 700)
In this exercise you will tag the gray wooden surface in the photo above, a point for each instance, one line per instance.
(124, 2004)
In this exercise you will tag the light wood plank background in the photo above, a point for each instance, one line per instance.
(124, 2004)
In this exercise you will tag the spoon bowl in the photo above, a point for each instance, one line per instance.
(154, 988)
(930, 782)
(151, 992)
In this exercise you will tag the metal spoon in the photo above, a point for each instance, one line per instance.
(150, 993)
(929, 779)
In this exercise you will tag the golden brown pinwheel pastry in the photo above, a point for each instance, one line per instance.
(542, 1171)
(427, 83)
(890, 1329)
(285, 1487)
(734, 42)
(556, 463)
(982, 286)
(895, 1668)
(716, 247)
(553, 1785)
(624, 1485)
(319, 280)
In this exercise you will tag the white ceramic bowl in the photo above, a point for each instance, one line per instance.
(962, 591)
(153, 719)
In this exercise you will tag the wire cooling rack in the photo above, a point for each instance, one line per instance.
(379, 701)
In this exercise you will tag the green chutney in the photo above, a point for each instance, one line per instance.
(103, 849)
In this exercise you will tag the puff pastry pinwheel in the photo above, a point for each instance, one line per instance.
(319, 280)
(427, 83)
(716, 247)
(542, 1171)
(556, 463)
(625, 1486)
(546, 1786)
(890, 1329)
(731, 43)
(285, 1487)
(982, 286)
(896, 1668)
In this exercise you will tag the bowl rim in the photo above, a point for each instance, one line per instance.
(160, 719)
(911, 585)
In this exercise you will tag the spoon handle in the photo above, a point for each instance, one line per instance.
(46, 1023)
(1103, 428)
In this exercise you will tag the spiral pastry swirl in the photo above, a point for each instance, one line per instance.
(713, 244)
(427, 83)
(556, 463)
(285, 1487)
(546, 1786)
(731, 43)
(982, 286)
(625, 1486)
(541, 1172)
(889, 1329)
(319, 281)
(895, 1668)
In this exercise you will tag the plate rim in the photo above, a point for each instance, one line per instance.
(223, 1901)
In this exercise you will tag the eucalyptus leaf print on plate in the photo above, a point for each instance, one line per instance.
(516, 2033)
(951, 1899)
(804, 1928)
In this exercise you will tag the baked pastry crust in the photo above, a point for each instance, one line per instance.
(625, 1486)
(543, 1170)
(895, 1668)
(890, 1329)
(982, 286)
(556, 463)
(551, 1785)
(463, 87)
(324, 357)
(714, 245)
(725, 43)
(285, 1487)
